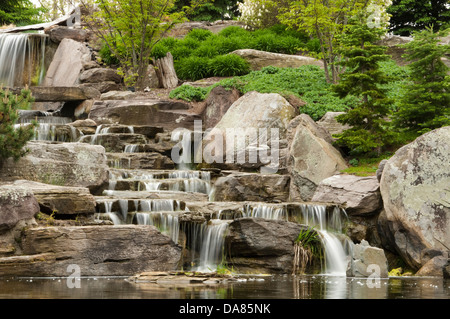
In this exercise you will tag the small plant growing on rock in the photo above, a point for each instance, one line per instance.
(306, 247)
(12, 137)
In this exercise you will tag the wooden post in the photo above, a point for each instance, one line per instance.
(166, 72)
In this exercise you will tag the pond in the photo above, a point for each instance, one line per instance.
(247, 287)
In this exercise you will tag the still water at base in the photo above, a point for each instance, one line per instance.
(248, 287)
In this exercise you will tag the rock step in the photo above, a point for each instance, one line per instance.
(150, 131)
(132, 195)
(114, 142)
(177, 184)
(134, 161)
(105, 205)
(167, 114)
(160, 173)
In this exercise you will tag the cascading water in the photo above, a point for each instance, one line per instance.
(22, 59)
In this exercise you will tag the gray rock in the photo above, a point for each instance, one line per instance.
(368, 261)
(258, 245)
(16, 203)
(65, 164)
(67, 64)
(358, 195)
(245, 122)
(311, 157)
(435, 267)
(252, 187)
(96, 250)
(61, 200)
(259, 59)
(97, 75)
(58, 33)
(415, 192)
(217, 103)
(329, 122)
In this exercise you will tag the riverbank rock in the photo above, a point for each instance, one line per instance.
(258, 245)
(368, 261)
(252, 187)
(358, 195)
(93, 250)
(260, 59)
(311, 157)
(249, 134)
(415, 191)
(65, 164)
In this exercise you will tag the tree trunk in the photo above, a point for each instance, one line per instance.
(166, 72)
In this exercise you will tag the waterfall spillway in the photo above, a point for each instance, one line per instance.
(22, 59)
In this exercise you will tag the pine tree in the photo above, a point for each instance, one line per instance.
(425, 101)
(12, 137)
(362, 79)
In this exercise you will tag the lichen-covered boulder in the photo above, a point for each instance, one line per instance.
(65, 164)
(416, 195)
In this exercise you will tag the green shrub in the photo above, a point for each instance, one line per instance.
(313, 45)
(181, 51)
(227, 45)
(159, 51)
(189, 93)
(192, 68)
(228, 65)
(233, 31)
(205, 51)
(199, 34)
(107, 56)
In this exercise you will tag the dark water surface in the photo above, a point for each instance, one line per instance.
(256, 287)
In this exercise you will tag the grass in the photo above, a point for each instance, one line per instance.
(365, 166)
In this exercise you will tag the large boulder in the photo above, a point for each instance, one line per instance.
(329, 122)
(67, 63)
(58, 33)
(256, 123)
(65, 164)
(60, 200)
(358, 195)
(252, 187)
(258, 245)
(96, 75)
(312, 158)
(259, 59)
(96, 250)
(415, 191)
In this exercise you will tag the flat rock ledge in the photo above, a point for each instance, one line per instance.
(182, 278)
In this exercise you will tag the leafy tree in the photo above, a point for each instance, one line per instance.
(425, 102)
(130, 29)
(211, 10)
(13, 139)
(412, 15)
(19, 12)
(363, 78)
(325, 20)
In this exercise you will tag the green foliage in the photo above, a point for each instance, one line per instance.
(369, 129)
(18, 12)
(307, 82)
(425, 102)
(209, 10)
(193, 68)
(189, 93)
(13, 139)
(408, 16)
(306, 247)
(228, 65)
(131, 29)
(107, 56)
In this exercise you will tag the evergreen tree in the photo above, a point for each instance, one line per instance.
(13, 139)
(362, 79)
(425, 102)
(19, 12)
(412, 15)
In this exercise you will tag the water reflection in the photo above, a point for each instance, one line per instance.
(265, 287)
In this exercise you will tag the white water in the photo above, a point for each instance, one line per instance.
(212, 245)
(184, 157)
(17, 52)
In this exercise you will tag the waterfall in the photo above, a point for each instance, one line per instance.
(336, 257)
(165, 222)
(185, 157)
(22, 58)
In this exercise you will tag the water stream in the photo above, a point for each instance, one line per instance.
(22, 59)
